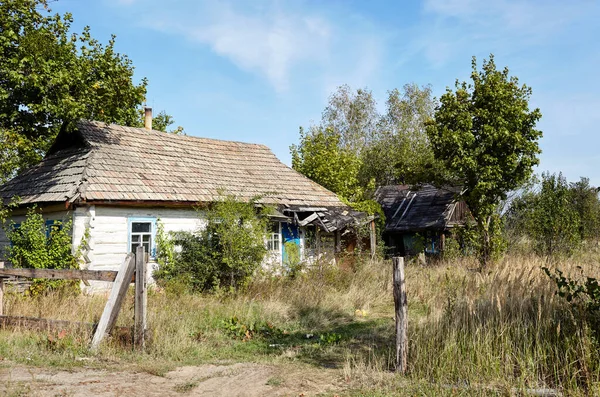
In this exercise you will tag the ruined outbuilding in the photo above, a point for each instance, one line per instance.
(418, 218)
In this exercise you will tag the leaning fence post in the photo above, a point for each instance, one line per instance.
(401, 305)
(141, 298)
(115, 300)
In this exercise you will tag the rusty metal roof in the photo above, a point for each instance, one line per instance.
(102, 162)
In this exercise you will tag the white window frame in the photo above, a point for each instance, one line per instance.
(151, 234)
(274, 237)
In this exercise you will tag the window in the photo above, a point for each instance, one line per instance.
(274, 241)
(141, 233)
(52, 227)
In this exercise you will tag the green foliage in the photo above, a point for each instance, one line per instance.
(399, 150)
(586, 203)
(554, 223)
(161, 122)
(292, 262)
(51, 77)
(484, 133)
(224, 254)
(466, 241)
(583, 295)
(247, 331)
(557, 216)
(322, 157)
(165, 253)
(330, 338)
(355, 148)
(31, 247)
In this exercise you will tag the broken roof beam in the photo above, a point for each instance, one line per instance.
(308, 219)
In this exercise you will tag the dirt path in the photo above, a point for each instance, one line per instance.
(243, 379)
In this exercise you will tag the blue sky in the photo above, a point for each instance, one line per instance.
(255, 71)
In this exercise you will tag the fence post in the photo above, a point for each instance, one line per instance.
(372, 238)
(115, 300)
(401, 305)
(1, 291)
(141, 298)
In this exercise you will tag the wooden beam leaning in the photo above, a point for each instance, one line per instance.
(61, 274)
(141, 299)
(115, 300)
(401, 306)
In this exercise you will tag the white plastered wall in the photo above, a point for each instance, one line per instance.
(108, 229)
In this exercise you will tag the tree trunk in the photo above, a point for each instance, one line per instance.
(485, 253)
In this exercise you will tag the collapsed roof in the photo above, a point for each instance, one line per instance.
(414, 209)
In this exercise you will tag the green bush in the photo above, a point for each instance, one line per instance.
(225, 254)
(31, 246)
(583, 295)
(292, 262)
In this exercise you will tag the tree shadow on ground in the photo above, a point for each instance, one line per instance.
(329, 338)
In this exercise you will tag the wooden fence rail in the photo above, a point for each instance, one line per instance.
(61, 274)
(133, 269)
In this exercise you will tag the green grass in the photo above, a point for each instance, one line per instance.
(493, 333)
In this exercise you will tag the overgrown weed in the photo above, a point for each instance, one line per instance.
(503, 329)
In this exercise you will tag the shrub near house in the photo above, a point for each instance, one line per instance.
(36, 243)
(225, 254)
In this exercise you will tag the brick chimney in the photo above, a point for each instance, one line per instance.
(147, 117)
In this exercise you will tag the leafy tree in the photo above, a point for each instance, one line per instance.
(399, 150)
(484, 133)
(50, 78)
(321, 157)
(556, 215)
(352, 116)
(586, 203)
(554, 222)
(355, 148)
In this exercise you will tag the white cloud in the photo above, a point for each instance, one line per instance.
(501, 25)
(275, 42)
(270, 43)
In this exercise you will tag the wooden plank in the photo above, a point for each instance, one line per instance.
(308, 219)
(115, 300)
(141, 298)
(373, 241)
(1, 291)
(401, 306)
(43, 324)
(61, 274)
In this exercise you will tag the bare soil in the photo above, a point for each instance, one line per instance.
(241, 379)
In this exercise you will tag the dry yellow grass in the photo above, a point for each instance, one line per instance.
(500, 329)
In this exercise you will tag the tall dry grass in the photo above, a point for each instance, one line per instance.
(503, 328)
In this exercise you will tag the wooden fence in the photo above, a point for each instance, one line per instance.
(133, 269)
(401, 306)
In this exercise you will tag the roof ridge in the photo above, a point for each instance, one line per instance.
(169, 135)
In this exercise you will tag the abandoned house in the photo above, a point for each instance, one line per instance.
(418, 219)
(115, 183)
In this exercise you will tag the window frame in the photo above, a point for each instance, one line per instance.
(270, 236)
(143, 219)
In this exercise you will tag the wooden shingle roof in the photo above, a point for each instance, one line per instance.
(427, 207)
(100, 162)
